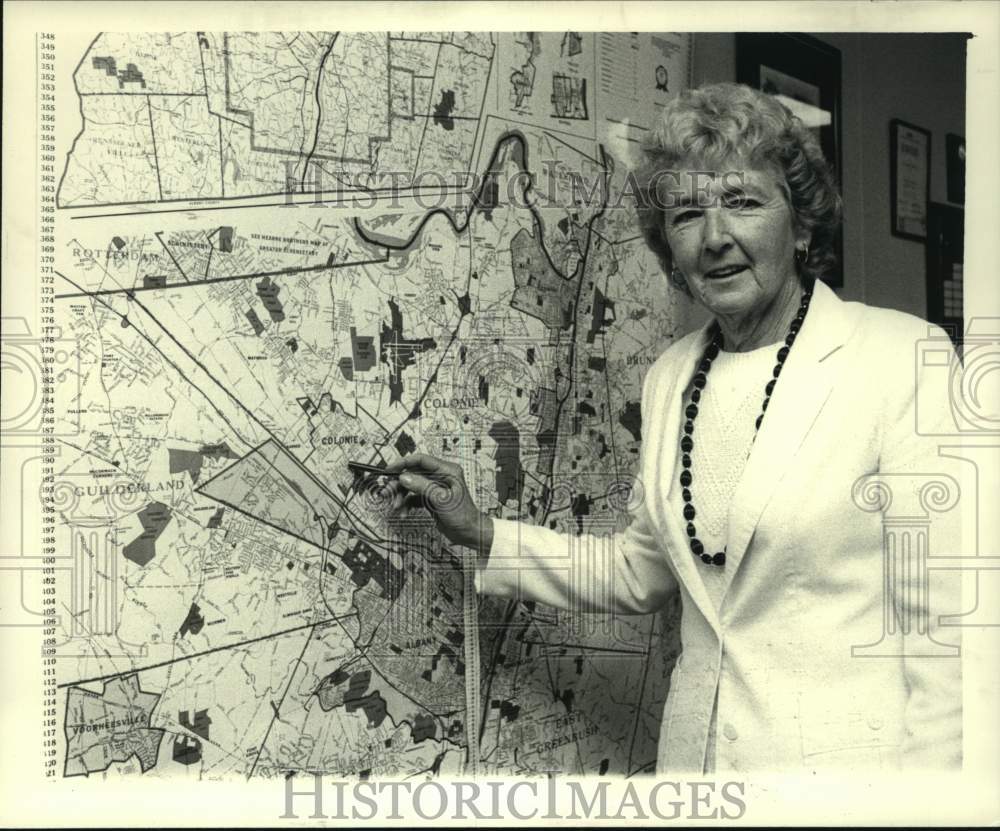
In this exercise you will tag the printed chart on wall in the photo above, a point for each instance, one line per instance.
(267, 254)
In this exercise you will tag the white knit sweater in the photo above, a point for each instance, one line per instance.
(723, 436)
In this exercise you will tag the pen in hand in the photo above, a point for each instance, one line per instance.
(374, 470)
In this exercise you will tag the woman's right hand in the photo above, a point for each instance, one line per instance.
(439, 486)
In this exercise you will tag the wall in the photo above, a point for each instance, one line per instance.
(919, 78)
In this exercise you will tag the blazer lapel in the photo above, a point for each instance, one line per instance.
(663, 461)
(805, 383)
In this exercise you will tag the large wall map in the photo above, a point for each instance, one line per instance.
(282, 251)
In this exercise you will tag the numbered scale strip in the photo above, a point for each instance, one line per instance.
(45, 337)
(470, 625)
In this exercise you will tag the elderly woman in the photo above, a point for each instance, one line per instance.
(804, 647)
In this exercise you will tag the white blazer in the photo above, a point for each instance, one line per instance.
(826, 651)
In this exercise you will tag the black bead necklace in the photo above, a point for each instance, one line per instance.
(691, 413)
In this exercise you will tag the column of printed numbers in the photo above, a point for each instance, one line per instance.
(46, 166)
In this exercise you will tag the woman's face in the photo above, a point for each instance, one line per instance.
(733, 240)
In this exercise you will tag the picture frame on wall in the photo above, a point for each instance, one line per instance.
(804, 74)
(910, 179)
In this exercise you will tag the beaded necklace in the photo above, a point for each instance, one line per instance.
(691, 413)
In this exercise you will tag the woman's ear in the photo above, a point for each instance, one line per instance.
(803, 236)
(803, 239)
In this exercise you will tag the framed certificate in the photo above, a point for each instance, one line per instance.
(910, 166)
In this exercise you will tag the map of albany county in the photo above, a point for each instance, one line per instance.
(237, 601)
(209, 115)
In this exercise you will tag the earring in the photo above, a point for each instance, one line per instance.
(802, 255)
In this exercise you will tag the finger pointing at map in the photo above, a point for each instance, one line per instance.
(440, 487)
